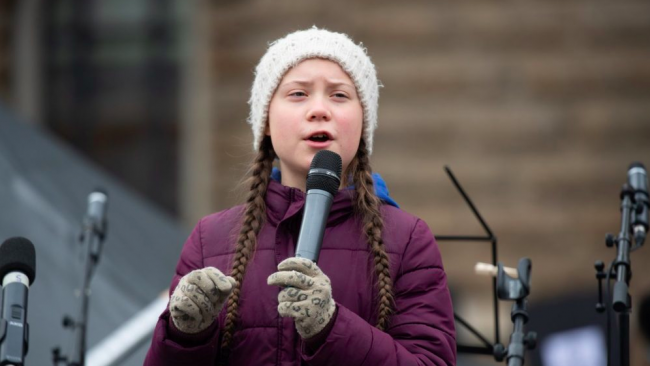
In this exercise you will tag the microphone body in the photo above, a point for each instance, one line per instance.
(638, 181)
(14, 330)
(312, 229)
(323, 181)
(95, 218)
(17, 269)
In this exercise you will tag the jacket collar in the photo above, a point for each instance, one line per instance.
(283, 202)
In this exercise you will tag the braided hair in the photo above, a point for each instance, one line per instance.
(254, 217)
(367, 207)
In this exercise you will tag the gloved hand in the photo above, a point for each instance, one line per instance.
(307, 295)
(198, 299)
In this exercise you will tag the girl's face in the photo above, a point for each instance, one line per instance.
(315, 107)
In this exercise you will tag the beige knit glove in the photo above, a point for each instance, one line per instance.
(198, 299)
(306, 297)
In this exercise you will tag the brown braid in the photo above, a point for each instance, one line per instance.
(254, 216)
(367, 206)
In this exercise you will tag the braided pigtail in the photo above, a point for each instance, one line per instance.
(253, 219)
(367, 206)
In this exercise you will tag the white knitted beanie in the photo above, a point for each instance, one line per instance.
(289, 51)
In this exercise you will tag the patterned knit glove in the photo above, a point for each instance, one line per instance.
(198, 299)
(306, 297)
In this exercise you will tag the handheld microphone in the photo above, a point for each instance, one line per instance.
(17, 270)
(323, 182)
(638, 180)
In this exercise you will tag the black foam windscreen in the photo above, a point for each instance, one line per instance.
(325, 172)
(18, 254)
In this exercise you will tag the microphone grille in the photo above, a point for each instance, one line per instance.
(18, 254)
(637, 164)
(325, 172)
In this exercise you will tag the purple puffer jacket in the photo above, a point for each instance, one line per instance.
(421, 330)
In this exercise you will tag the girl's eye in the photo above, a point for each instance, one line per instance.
(298, 94)
(340, 95)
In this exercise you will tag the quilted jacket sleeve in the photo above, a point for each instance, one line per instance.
(421, 330)
(169, 346)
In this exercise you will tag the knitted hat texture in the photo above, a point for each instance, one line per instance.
(298, 46)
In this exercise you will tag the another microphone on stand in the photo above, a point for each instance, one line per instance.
(638, 180)
(92, 239)
(17, 270)
(323, 181)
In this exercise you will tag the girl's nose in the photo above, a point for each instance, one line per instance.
(319, 112)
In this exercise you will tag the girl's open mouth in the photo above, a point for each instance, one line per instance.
(319, 137)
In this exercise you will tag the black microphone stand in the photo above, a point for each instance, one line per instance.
(621, 269)
(91, 238)
(517, 289)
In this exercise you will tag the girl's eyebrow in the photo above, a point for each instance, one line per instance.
(331, 83)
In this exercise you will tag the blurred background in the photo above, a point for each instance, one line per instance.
(537, 107)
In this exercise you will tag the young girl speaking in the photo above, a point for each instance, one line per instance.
(378, 295)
